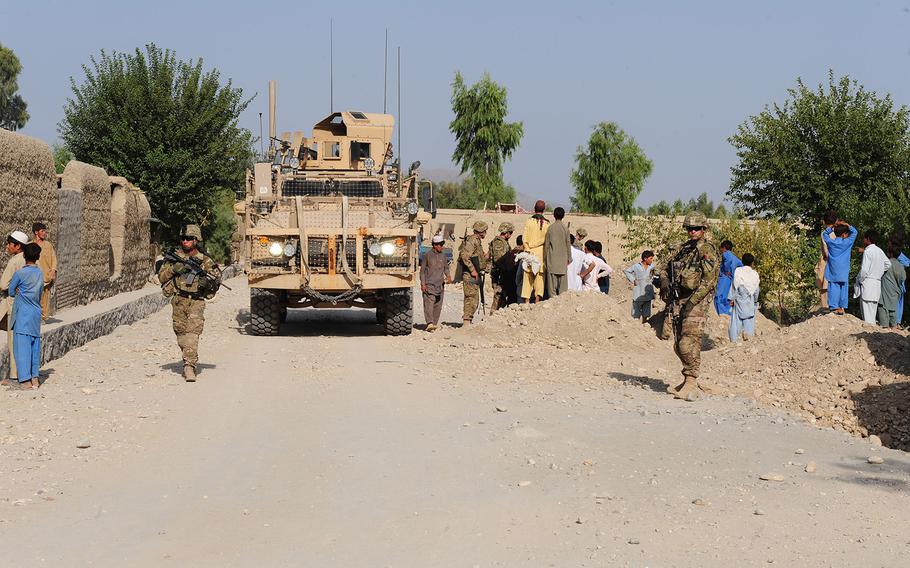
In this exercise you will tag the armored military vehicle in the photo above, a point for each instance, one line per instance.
(332, 222)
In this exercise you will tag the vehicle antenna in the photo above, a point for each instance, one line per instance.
(331, 66)
(385, 72)
(261, 147)
(400, 163)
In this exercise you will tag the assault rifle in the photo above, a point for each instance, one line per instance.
(475, 260)
(194, 269)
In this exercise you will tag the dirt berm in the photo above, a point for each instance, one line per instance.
(831, 369)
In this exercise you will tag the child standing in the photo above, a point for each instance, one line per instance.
(26, 287)
(839, 240)
(743, 299)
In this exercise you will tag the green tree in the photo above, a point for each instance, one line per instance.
(466, 194)
(659, 208)
(609, 173)
(62, 156)
(13, 113)
(839, 147)
(483, 138)
(167, 125)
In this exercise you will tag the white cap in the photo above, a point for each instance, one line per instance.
(20, 237)
(438, 239)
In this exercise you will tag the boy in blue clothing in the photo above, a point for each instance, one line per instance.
(26, 287)
(839, 239)
(729, 262)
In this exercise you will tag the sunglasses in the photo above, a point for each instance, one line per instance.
(187, 238)
(437, 244)
(695, 228)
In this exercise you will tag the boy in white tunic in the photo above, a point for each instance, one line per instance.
(869, 280)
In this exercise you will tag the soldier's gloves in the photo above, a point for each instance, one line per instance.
(179, 268)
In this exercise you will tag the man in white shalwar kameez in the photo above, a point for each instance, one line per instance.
(869, 280)
(575, 267)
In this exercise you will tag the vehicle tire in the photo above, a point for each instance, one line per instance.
(265, 312)
(284, 315)
(380, 314)
(399, 312)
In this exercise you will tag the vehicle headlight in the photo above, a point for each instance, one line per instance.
(276, 248)
(374, 249)
(368, 164)
(387, 248)
(294, 163)
(413, 208)
(290, 249)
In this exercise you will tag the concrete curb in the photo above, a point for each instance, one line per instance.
(83, 324)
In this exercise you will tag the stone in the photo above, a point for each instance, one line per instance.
(501, 409)
(634, 541)
(700, 502)
(875, 460)
(800, 451)
(875, 440)
(811, 467)
(83, 444)
(758, 512)
(524, 483)
(771, 477)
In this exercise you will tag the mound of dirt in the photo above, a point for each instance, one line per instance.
(833, 369)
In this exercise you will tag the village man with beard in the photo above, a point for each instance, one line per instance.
(534, 235)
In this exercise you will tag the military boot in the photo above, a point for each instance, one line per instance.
(189, 373)
(673, 390)
(688, 390)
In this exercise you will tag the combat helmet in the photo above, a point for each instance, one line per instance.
(695, 219)
(480, 227)
(192, 231)
(506, 227)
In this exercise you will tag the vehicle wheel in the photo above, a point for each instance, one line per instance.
(265, 312)
(399, 312)
(284, 315)
(380, 314)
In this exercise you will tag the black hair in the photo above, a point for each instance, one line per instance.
(872, 235)
(519, 241)
(830, 218)
(841, 230)
(727, 244)
(31, 252)
(38, 226)
(559, 213)
(13, 241)
(646, 254)
(748, 259)
(572, 239)
(598, 248)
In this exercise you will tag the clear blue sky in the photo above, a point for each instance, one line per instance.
(677, 76)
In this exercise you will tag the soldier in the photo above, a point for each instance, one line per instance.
(190, 289)
(581, 235)
(695, 267)
(472, 248)
(499, 247)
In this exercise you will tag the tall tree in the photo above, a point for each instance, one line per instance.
(483, 138)
(609, 173)
(13, 113)
(166, 125)
(838, 147)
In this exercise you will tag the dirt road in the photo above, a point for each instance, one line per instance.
(335, 446)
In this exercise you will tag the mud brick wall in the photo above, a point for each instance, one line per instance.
(67, 241)
(28, 186)
(95, 242)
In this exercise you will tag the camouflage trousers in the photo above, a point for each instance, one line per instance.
(471, 298)
(497, 298)
(688, 344)
(189, 319)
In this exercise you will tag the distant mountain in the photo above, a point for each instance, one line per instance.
(440, 175)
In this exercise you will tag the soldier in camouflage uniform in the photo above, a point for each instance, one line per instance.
(189, 293)
(696, 264)
(472, 246)
(499, 247)
(580, 235)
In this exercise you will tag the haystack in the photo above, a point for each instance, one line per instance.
(28, 188)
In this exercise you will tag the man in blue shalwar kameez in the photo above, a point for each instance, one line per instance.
(839, 239)
(26, 287)
(905, 262)
(729, 262)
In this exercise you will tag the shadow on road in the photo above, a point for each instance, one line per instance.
(893, 475)
(310, 322)
(177, 367)
(884, 409)
(653, 384)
